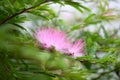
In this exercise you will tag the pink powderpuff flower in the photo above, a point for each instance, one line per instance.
(49, 37)
(77, 48)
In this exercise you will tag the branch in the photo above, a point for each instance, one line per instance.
(22, 11)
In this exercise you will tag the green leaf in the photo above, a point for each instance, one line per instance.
(39, 15)
(56, 63)
(76, 27)
(108, 54)
(86, 8)
(33, 76)
(58, 1)
(75, 5)
(105, 32)
(10, 5)
(93, 49)
(89, 17)
(17, 25)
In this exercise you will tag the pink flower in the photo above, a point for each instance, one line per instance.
(49, 37)
(77, 48)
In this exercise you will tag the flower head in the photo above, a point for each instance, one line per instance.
(77, 49)
(50, 37)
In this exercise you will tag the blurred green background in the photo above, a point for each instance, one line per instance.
(96, 21)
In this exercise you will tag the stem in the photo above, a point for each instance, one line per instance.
(22, 11)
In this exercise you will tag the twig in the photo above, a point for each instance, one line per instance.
(22, 11)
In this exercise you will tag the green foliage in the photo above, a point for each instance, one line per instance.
(77, 5)
(22, 59)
